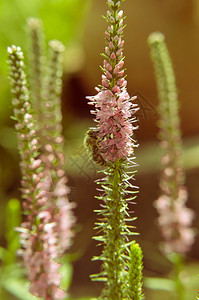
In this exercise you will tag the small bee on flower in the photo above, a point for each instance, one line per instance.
(92, 143)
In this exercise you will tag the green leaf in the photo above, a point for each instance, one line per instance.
(13, 219)
(66, 271)
(18, 288)
(156, 283)
(63, 20)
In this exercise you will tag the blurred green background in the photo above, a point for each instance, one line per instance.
(79, 25)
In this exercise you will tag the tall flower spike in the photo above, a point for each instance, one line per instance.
(46, 87)
(113, 105)
(37, 235)
(52, 144)
(111, 145)
(37, 61)
(175, 218)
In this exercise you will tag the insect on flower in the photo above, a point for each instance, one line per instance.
(92, 143)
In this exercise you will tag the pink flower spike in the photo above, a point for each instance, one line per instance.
(113, 108)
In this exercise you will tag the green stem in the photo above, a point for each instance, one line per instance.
(116, 253)
(178, 268)
(37, 62)
(169, 110)
(115, 238)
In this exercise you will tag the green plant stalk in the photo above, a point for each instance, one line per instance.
(25, 126)
(46, 86)
(51, 104)
(169, 109)
(37, 65)
(170, 134)
(113, 230)
(179, 266)
(178, 262)
(111, 147)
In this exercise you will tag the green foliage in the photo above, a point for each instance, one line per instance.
(63, 19)
(66, 271)
(13, 219)
(12, 281)
(165, 288)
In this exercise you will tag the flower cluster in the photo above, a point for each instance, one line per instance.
(113, 105)
(46, 86)
(175, 218)
(38, 236)
(52, 145)
(112, 147)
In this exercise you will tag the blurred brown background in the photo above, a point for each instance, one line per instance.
(179, 21)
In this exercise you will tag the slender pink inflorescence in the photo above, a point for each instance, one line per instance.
(38, 232)
(112, 146)
(175, 219)
(52, 147)
(113, 105)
